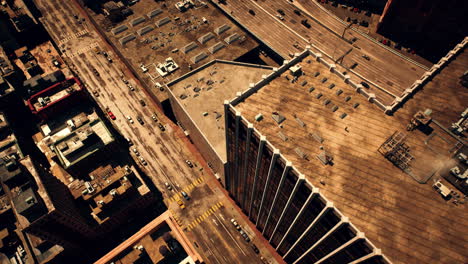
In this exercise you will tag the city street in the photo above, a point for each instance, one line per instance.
(206, 217)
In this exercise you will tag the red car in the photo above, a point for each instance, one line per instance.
(111, 115)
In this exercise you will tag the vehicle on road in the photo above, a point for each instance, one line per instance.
(136, 151)
(281, 12)
(185, 195)
(96, 93)
(130, 143)
(161, 127)
(235, 224)
(181, 204)
(255, 248)
(140, 120)
(131, 87)
(142, 102)
(95, 72)
(168, 186)
(111, 115)
(245, 236)
(129, 118)
(154, 118)
(189, 163)
(251, 12)
(143, 161)
(280, 17)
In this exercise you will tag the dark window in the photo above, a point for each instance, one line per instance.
(250, 174)
(281, 200)
(265, 161)
(352, 252)
(339, 237)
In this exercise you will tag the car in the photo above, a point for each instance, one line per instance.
(280, 17)
(155, 119)
(189, 163)
(131, 87)
(255, 248)
(130, 143)
(161, 127)
(136, 151)
(96, 93)
(143, 161)
(142, 102)
(105, 54)
(366, 85)
(140, 120)
(96, 72)
(297, 12)
(109, 59)
(124, 80)
(281, 12)
(235, 224)
(246, 237)
(181, 204)
(111, 115)
(185, 195)
(129, 118)
(251, 12)
(168, 186)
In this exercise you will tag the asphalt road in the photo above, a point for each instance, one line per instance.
(165, 152)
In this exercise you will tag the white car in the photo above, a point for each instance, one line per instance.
(129, 118)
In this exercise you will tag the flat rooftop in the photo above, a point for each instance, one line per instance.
(388, 73)
(409, 221)
(43, 54)
(184, 36)
(54, 94)
(204, 91)
(143, 247)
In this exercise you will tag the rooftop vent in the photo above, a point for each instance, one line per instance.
(220, 30)
(127, 39)
(232, 38)
(311, 89)
(278, 118)
(189, 47)
(137, 21)
(325, 157)
(205, 38)
(145, 30)
(216, 47)
(324, 80)
(316, 74)
(304, 83)
(163, 22)
(199, 57)
(300, 153)
(119, 29)
(339, 92)
(154, 13)
(259, 117)
(282, 136)
(331, 86)
(347, 98)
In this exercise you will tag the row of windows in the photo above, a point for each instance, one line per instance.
(247, 183)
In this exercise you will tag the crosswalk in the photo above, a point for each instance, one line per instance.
(82, 50)
(205, 215)
(73, 36)
(186, 189)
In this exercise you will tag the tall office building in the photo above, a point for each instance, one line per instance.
(327, 176)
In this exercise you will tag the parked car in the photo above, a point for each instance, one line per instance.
(131, 87)
(154, 118)
(140, 120)
(281, 12)
(185, 195)
(136, 151)
(143, 161)
(246, 237)
(189, 163)
(168, 186)
(161, 127)
(130, 143)
(255, 248)
(111, 115)
(129, 118)
(251, 12)
(142, 102)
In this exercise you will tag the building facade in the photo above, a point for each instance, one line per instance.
(299, 222)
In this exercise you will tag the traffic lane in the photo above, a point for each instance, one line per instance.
(262, 25)
(225, 241)
(318, 35)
